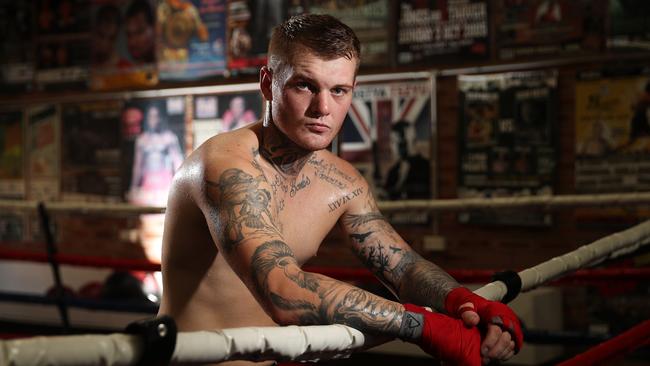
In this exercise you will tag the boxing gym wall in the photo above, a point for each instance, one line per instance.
(494, 98)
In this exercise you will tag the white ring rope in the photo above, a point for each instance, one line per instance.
(460, 204)
(287, 343)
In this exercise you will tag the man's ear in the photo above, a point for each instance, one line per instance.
(266, 82)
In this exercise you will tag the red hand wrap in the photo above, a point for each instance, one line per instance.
(448, 339)
(491, 312)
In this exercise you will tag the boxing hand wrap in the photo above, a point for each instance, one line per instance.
(491, 312)
(443, 337)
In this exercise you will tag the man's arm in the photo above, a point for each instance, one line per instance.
(416, 280)
(409, 276)
(242, 217)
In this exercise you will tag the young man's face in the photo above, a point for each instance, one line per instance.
(311, 98)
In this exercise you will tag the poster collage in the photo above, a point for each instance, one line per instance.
(121, 44)
(108, 150)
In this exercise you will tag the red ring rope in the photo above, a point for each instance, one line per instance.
(340, 273)
(623, 343)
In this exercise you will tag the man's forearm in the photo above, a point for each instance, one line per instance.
(297, 297)
(426, 284)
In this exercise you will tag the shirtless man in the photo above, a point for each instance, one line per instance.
(249, 207)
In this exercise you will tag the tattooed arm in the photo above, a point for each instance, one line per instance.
(241, 214)
(409, 276)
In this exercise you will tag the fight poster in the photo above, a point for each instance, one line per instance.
(214, 114)
(442, 31)
(368, 19)
(528, 29)
(91, 151)
(191, 39)
(62, 47)
(16, 44)
(612, 132)
(153, 146)
(507, 141)
(387, 137)
(12, 152)
(123, 38)
(43, 147)
(629, 25)
(250, 23)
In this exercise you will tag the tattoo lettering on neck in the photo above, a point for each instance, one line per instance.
(339, 202)
(286, 160)
(246, 206)
(297, 186)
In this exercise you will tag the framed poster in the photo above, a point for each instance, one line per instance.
(217, 113)
(12, 154)
(387, 135)
(529, 29)
(191, 39)
(368, 19)
(507, 141)
(123, 39)
(43, 152)
(91, 151)
(442, 31)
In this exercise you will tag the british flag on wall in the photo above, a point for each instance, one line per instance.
(387, 136)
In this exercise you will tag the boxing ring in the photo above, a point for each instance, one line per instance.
(156, 340)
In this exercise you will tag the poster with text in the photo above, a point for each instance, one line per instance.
(62, 49)
(123, 37)
(612, 132)
(368, 19)
(629, 25)
(43, 152)
(250, 23)
(153, 147)
(191, 39)
(91, 151)
(442, 31)
(387, 136)
(549, 27)
(214, 114)
(16, 46)
(12, 151)
(507, 141)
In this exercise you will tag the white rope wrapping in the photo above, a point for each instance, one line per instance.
(293, 342)
(436, 205)
(609, 247)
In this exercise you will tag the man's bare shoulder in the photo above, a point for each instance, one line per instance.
(219, 153)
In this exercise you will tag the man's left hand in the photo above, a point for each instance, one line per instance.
(503, 337)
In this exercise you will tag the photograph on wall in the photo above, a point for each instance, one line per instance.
(123, 38)
(629, 25)
(91, 151)
(506, 141)
(191, 39)
(12, 151)
(387, 136)
(16, 43)
(62, 47)
(250, 23)
(368, 19)
(528, 29)
(442, 31)
(43, 151)
(153, 147)
(217, 113)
